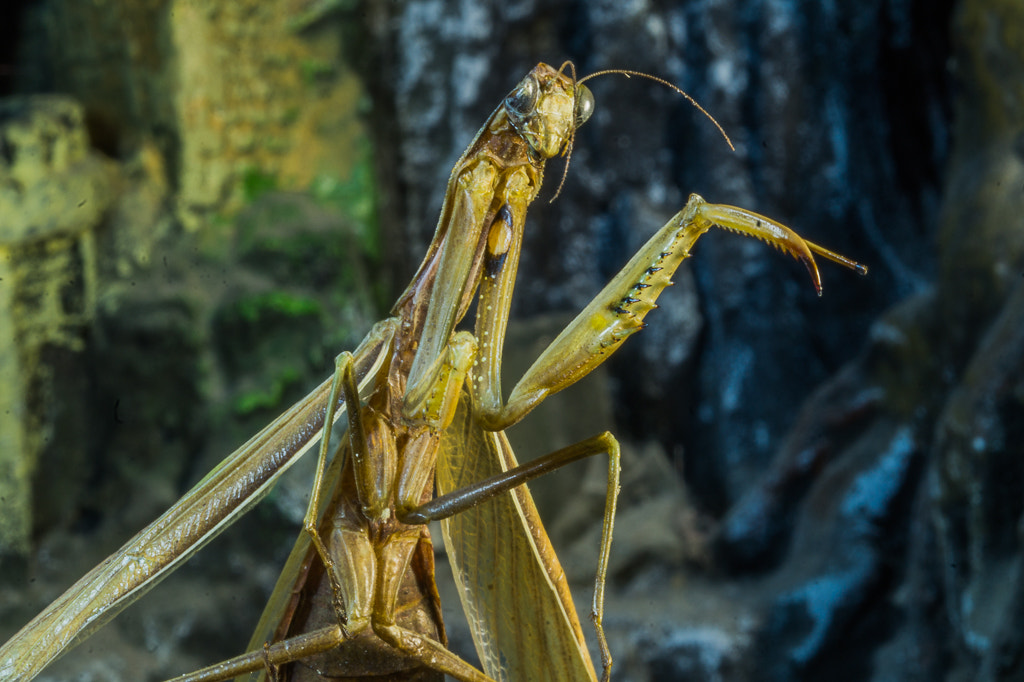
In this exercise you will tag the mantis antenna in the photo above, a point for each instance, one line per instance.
(627, 73)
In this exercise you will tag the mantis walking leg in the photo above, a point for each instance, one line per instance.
(384, 465)
(343, 380)
(465, 496)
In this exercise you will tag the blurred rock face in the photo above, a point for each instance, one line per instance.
(977, 473)
(923, 430)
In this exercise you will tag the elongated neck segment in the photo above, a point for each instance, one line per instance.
(535, 122)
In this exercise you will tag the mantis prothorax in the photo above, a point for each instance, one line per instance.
(424, 407)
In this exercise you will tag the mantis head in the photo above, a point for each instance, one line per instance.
(547, 107)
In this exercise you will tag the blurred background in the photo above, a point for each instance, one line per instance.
(202, 203)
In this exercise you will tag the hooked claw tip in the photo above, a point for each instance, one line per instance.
(812, 268)
(817, 280)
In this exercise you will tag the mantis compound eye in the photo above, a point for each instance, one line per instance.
(523, 100)
(584, 104)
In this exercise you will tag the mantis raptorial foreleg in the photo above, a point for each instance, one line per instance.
(617, 312)
(612, 316)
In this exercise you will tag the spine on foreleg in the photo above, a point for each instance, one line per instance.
(618, 311)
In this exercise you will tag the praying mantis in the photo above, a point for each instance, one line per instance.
(424, 407)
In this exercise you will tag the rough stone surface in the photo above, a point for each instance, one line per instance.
(925, 574)
(53, 193)
(229, 91)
